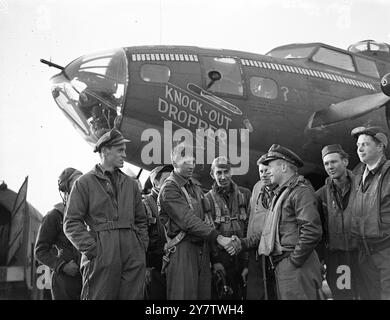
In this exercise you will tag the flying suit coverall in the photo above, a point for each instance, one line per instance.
(229, 211)
(114, 244)
(188, 272)
(54, 249)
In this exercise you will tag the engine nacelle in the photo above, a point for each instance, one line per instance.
(385, 84)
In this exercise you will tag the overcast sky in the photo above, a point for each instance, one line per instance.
(35, 137)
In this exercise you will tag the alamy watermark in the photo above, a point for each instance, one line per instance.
(344, 280)
(205, 145)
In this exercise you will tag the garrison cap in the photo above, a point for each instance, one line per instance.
(109, 139)
(221, 162)
(278, 152)
(333, 148)
(376, 132)
(156, 172)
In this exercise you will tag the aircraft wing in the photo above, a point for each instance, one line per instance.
(348, 109)
(352, 108)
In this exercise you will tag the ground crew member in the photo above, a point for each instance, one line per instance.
(155, 281)
(261, 278)
(106, 222)
(181, 210)
(341, 250)
(371, 211)
(292, 231)
(55, 250)
(229, 211)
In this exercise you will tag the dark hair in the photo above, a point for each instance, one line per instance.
(65, 178)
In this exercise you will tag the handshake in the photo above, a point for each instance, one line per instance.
(231, 245)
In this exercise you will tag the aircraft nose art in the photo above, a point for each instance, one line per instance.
(91, 91)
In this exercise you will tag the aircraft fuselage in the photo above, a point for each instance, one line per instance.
(273, 98)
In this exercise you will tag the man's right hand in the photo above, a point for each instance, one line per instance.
(71, 268)
(234, 246)
(223, 241)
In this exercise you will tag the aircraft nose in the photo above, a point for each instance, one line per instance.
(91, 91)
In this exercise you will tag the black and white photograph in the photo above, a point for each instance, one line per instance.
(209, 151)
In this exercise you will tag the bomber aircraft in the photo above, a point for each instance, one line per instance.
(302, 96)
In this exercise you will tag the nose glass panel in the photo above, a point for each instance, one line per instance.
(91, 91)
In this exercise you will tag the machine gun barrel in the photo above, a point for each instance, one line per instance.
(51, 64)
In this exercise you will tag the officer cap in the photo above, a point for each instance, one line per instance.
(278, 152)
(155, 174)
(109, 139)
(376, 132)
(333, 148)
(221, 162)
(261, 159)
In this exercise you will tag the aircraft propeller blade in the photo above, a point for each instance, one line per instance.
(348, 109)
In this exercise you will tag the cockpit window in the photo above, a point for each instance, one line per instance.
(361, 46)
(65, 96)
(230, 82)
(155, 73)
(367, 67)
(379, 47)
(91, 90)
(368, 45)
(291, 53)
(334, 58)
